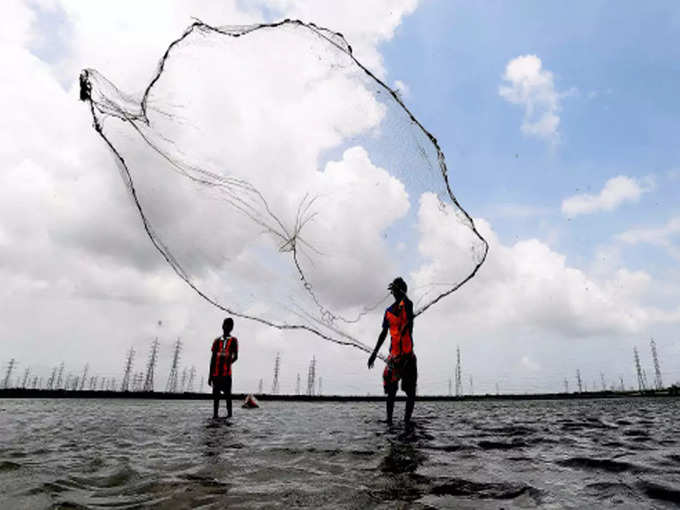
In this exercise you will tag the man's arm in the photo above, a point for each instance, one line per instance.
(381, 339)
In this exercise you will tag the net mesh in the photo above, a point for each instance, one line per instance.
(284, 182)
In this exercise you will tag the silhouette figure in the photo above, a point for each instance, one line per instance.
(401, 362)
(224, 355)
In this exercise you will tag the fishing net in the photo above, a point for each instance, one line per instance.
(284, 182)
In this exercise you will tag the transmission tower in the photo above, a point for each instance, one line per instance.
(275, 381)
(604, 384)
(472, 388)
(458, 374)
(83, 378)
(192, 375)
(60, 376)
(566, 385)
(36, 382)
(320, 381)
(125, 385)
(641, 381)
(52, 379)
(171, 385)
(449, 386)
(8, 375)
(259, 387)
(24, 381)
(311, 376)
(297, 384)
(151, 366)
(579, 382)
(658, 383)
(183, 383)
(622, 387)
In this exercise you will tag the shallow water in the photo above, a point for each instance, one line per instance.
(169, 454)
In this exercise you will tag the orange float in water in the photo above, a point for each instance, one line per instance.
(250, 402)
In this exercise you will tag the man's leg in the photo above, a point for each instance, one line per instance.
(391, 394)
(410, 404)
(409, 386)
(227, 394)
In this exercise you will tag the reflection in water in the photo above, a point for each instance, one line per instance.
(582, 454)
(399, 467)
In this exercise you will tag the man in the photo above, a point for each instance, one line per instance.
(224, 355)
(401, 362)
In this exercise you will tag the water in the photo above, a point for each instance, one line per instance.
(169, 454)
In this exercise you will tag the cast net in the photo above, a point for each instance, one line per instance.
(286, 183)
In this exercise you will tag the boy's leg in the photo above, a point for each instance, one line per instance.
(227, 394)
(216, 398)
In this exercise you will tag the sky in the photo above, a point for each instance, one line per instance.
(558, 125)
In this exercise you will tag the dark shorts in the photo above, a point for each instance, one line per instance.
(404, 368)
(221, 384)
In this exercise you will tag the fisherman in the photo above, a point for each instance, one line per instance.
(401, 362)
(224, 355)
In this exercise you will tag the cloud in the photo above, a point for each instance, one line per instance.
(367, 26)
(616, 191)
(73, 249)
(16, 23)
(529, 284)
(663, 236)
(402, 89)
(529, 364)
(527, 84)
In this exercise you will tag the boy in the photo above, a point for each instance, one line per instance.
(224, 355)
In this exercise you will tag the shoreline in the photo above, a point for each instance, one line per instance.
(148, 395)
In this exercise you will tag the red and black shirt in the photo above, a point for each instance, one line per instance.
(223, 349)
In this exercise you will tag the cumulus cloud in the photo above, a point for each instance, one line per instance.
(616, 191)
(73, 247)
(528, 84)
(528, 283)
